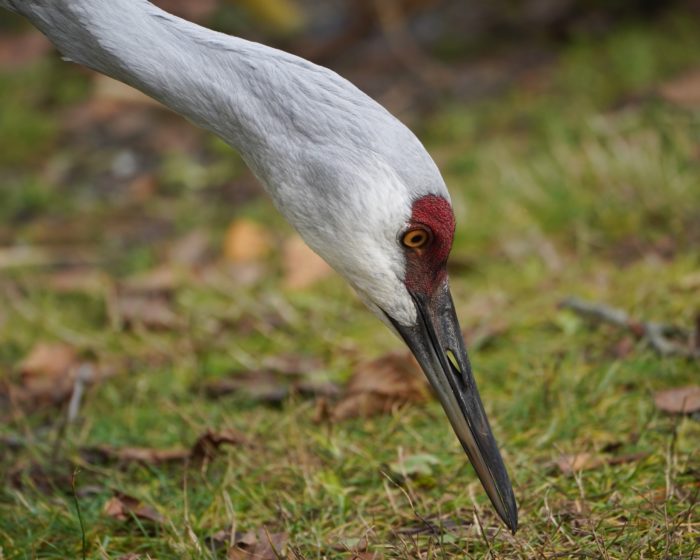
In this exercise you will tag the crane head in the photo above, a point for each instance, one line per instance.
(435, 339)
(398, 265)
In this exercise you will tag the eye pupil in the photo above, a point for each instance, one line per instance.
(416, 239)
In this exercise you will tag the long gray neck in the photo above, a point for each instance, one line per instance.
(285, 115)
(206, 76)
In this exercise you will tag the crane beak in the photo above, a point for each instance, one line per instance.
(436, 342)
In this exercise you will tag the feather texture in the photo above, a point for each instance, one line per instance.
(340, 167)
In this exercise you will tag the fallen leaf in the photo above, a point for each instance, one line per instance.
(148, 455)
(259, 546)
(124, 507)
(246, 241)
(681, 400)
(205, 447)
(584, 461)
(378, 386)
(683, 90)
(261, 386)
(302, 267)
(18, 51)
(152, 313)
(209, 443)
(280, 376)
(48, 373)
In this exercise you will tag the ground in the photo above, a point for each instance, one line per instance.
(583, 179)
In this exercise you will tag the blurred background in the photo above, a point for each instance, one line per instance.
(140, 251)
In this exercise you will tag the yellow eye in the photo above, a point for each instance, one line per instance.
(416, 238)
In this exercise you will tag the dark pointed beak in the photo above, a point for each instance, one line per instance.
(436, 342)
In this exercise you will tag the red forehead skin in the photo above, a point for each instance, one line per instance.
(426, 267)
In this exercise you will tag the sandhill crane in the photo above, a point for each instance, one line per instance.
(354, 181)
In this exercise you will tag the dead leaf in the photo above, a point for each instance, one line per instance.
(147, 455)
(48, 373)
(683, 90)
(279, 377)
(259, 546)
(205, 447)
(18, 51)
(124, 507)
(151, 313)
(681, 400)
(209, 443)
(302, 267)
(378, 386)
(246, 241)
(584, 461)
(261, 386)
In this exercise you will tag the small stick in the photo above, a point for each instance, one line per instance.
(661, 337)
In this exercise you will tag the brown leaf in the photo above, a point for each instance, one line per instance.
(584, 461)
(48, 372)
(205, 447)
(152, 313)
(246, 241)
(262, 386)
(123, 507)
(379, 386)
(146, 455)
(208, 443)
(17, 51)
(681, 400)
(683, 90)
(259, 546)
(281, 376)
(302, 267)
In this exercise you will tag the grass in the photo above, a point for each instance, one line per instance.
(580, 180)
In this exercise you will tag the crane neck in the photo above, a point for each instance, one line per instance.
(224, 84)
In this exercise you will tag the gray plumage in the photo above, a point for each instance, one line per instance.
(335, 162)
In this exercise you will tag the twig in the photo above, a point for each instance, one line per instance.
(83, 547)
(663, 338)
